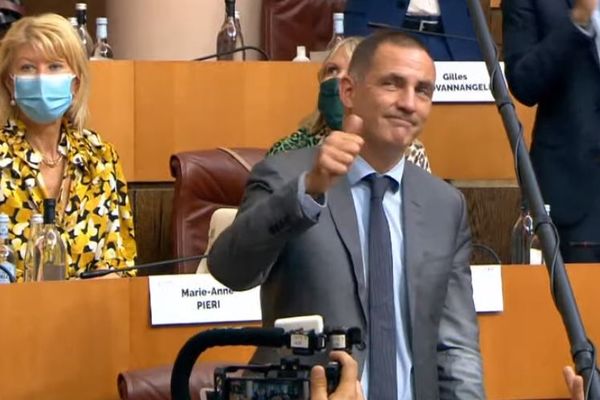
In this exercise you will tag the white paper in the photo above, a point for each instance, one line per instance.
(199, 298)
(487, 288)
(462, 82)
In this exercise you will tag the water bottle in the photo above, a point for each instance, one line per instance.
(102, 50)
(338, 30)
(50, 252)
(7, 255)
(520, 237)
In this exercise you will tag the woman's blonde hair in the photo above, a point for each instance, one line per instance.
(314, 122)
(54, 37)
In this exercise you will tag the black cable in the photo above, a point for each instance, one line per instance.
(225, 53)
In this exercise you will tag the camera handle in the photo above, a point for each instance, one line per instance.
(191, 350)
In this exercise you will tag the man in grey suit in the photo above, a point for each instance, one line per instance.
(303, 234)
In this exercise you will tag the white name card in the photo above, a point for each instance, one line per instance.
(199, 299)
(462, 82)
(487, 288)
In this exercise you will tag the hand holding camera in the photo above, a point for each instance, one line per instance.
(348, 387)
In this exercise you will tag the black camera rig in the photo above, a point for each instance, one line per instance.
(288, 379)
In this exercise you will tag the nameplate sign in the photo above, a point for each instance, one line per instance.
(199, 299)
(487, 288)
(462, 82)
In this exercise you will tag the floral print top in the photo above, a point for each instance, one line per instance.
(93, 213)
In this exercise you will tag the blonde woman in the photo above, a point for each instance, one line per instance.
(330, 112)
(45, 151)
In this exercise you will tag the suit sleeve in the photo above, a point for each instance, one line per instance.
(270, 214)
(536, 61)
(459, 359)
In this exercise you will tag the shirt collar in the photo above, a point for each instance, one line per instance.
(361, 168)
(67, 145)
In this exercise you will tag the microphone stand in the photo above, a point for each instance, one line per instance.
(582, 349)
(96, 273)
(224, 53)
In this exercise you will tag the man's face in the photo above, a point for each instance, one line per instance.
(394, 97)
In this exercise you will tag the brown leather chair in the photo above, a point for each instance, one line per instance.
(204, 181)
(155, 383)
(290, 23)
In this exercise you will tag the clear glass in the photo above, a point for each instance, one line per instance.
(103, 51)
(238, 26)
(535, 250)
(229, 37)
(49, 255)
(82, 30)
(7, 255)
(35, 227)
(521, 235)
(338, 30)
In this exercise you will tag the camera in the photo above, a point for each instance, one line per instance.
(287, 380)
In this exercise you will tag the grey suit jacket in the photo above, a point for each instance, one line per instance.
(315, 267)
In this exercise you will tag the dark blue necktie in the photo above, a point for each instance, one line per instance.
(382, 321)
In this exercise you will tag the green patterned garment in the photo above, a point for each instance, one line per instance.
(303, 138)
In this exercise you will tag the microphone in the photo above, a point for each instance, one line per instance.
(238, 49)
(402, 29)
(102, 272)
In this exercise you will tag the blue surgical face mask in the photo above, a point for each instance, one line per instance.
(43, 98)
(330, 106)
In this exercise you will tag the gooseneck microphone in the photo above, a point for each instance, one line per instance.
(101, 272)
(236, 50)
(409, 30)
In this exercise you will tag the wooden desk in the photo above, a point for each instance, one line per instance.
(151, 110)
(69, 340)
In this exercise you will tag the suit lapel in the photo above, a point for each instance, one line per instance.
(414, 234)
(343, 213)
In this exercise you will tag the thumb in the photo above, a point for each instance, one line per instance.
(352, 124)
(318, 383)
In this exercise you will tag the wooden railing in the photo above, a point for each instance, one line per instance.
(69, 340)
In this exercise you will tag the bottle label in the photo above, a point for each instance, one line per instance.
(3, 231)
(10, 267)
(338, 26)
(535, 257)
(101, 32)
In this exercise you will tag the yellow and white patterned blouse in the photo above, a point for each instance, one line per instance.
(95, 220)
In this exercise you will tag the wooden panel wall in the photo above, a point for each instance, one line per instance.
(492, 212)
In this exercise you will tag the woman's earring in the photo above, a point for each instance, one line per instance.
(13, 102)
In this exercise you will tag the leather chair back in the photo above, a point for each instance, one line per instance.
(290, 23)
(155, 383)
(204, 181)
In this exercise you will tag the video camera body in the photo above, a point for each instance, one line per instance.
(289, 379)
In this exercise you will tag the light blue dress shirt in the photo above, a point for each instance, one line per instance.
(593, 29)
(392, 204)
(596, 27)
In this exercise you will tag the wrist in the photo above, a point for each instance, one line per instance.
(581, 17)
(313, 186)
